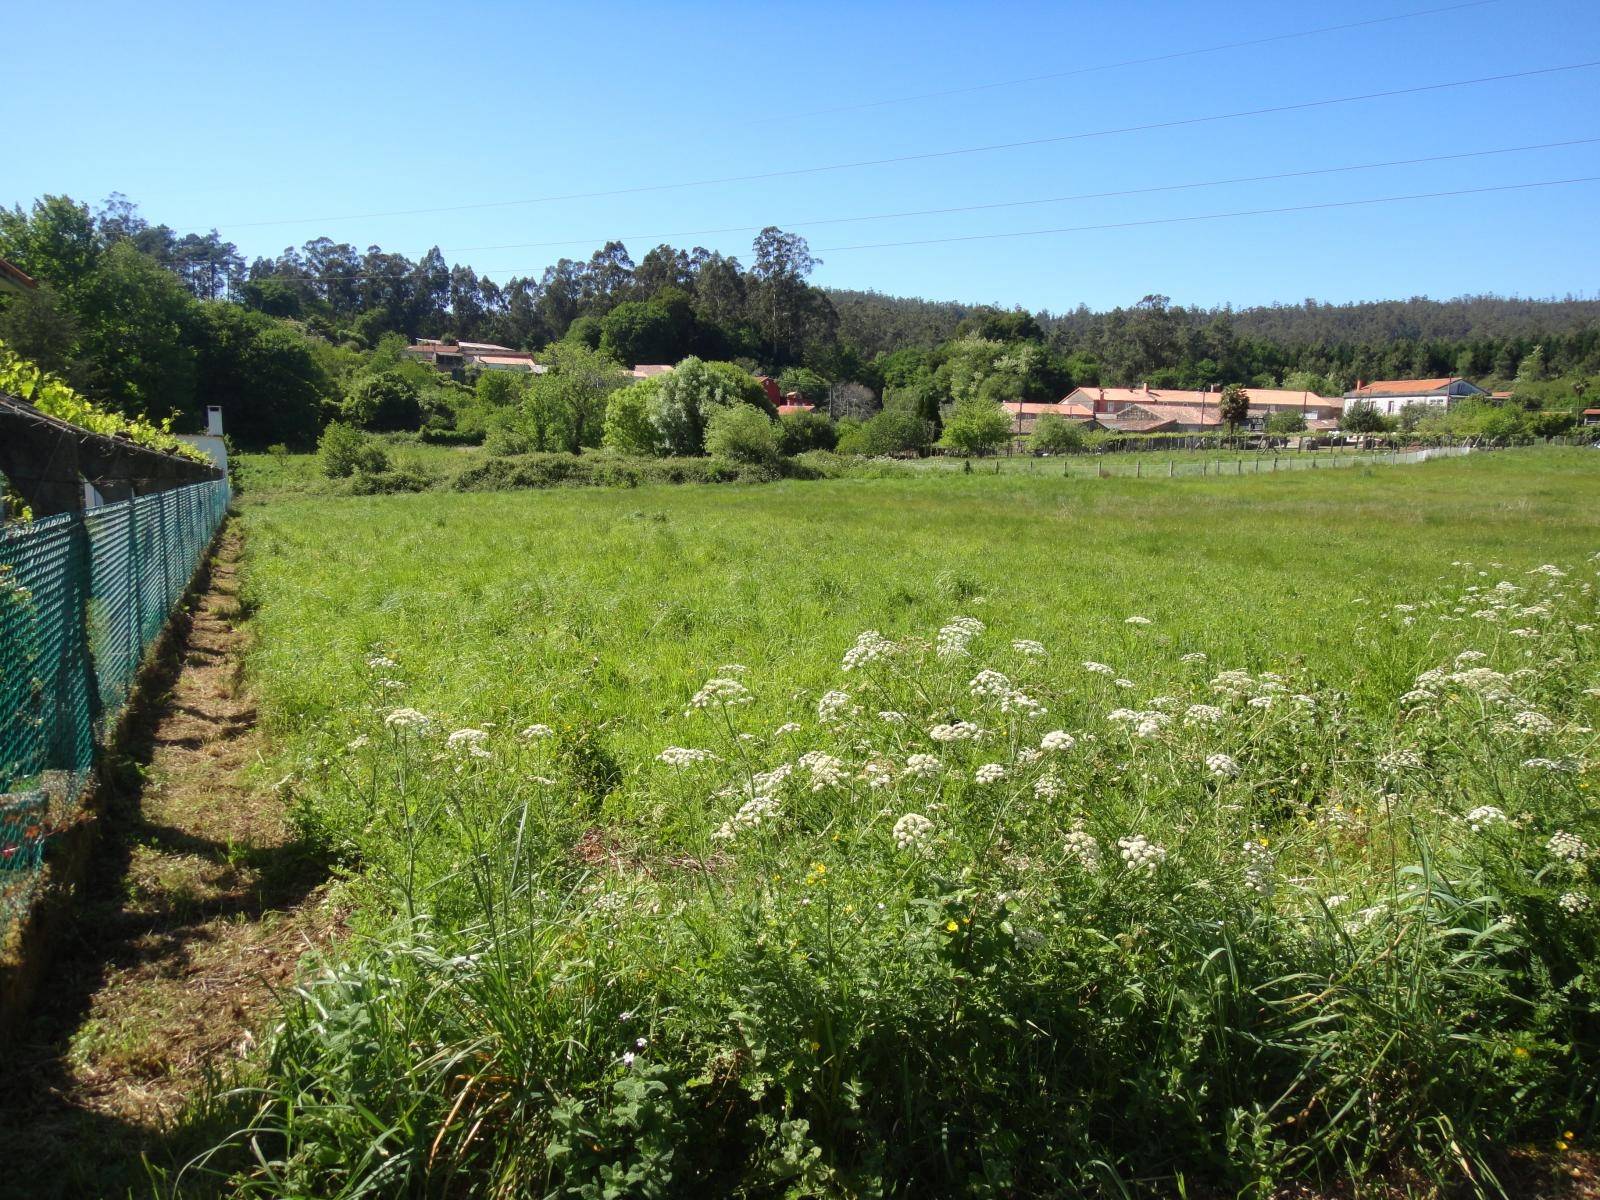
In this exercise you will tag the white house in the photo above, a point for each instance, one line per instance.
(1389, 396)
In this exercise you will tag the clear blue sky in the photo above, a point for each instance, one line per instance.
(231, 115)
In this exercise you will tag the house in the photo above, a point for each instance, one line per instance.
(1389, 396)
(1025, 414)
(455, 356)
(1145, 409)
(14, 279)
(784, 402)
(1591, 416)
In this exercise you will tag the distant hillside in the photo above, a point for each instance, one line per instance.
(877, 322)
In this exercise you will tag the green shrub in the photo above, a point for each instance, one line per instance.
(743, 435)
(343, 451)
(807, 431)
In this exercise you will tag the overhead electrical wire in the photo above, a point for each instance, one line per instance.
(356, 276)
(1117, 66)
(924, 156)
(1252, 212)
(998, 204)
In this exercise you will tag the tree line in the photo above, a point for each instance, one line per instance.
(153, 323)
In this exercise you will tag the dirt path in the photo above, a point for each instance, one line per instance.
(199, 906)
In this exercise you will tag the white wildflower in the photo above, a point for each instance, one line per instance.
(990, 773)
(826, 770)
(1573, 903)
(1222, 766)
(1081, 846)
(1029, 647)
(535, 731)
(1136, 620)
(956, 731)
(1203, 714)
(1568, 846)
(1096, 668)
(923, 766)
(870, 646)
(956, 635)
(1049, 787)
(913, 832)
(1141, 854)
(833, 707)
(1484, 816)
(684, 756)
(1057, 740)
(727, 693)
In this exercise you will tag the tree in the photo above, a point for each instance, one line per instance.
(742, 434)
(384, 401)
(1234, 406)
(264, 375)
(1363, 417)
(639, 332)
(690, 393)
(1286, 421)
(498, 389)
(892, 431)
(629, 424)
(976, 426)
(813, 388)
(802, 431)
(566, 407)
(783, 261)
(1054, 434)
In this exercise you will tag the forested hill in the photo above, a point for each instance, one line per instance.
(876, 322)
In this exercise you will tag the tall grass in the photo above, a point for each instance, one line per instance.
(1289, 879)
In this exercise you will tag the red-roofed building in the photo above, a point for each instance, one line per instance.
(14, 279)
(1389, 396)
(1188, 411)
(1591, 416)
(1025, 414)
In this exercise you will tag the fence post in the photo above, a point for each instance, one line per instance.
(1138, 473)
(1170, 471)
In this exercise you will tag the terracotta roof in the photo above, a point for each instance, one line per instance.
(1110, 399)
(1062, 408)
(1591, 412)
(1133, 425)
(15, 276)
(510, 360)
(1323, 424)
(785, 409)
(1404, 387)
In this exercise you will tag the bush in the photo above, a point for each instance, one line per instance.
(401, 479)
(803, 431)
(343, 451)
(1054, 434)
(742, 435)
(385, 401)
(1288, 421)
(892, 431)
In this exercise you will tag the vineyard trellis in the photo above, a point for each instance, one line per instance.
(82, 597)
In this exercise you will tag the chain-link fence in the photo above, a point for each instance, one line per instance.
(82, 596)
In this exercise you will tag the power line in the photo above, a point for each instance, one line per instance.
(356, 276)
(965, 208)
(1127, 62)
(1253, 212)
(1054, 139)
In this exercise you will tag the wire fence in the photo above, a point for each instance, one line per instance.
(82, 597)
(1155, 466)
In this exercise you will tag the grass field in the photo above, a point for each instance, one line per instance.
(848, 838)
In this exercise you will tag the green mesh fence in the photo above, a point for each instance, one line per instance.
(82, 596)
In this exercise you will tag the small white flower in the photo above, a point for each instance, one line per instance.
(1137, 621)
(727, 693)
(1029, 647)
(1203, 714)
(466, 738)
(382, 662)
(892, 717)
(1568, 846)
(1057, 740)
(1141, 854)
(627, 1059)
(956, 635)
(684, 756)
(786, 728)
(1573, 903)
(990, 773)
(407, 718)
(1049, 787)
(826, 770)
(358, 743)
(1222, 766)
(1097, 668)
(922, 766)
(870, 646)
(958, 731)
(533, 732)
(913, 832)
(1082, 848)
(1484, 816)
(1533, 723)
(833, 707)
(1194, 656)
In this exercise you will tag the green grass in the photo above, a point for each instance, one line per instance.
(1369, 988)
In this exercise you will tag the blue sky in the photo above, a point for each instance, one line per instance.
(279, 122)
